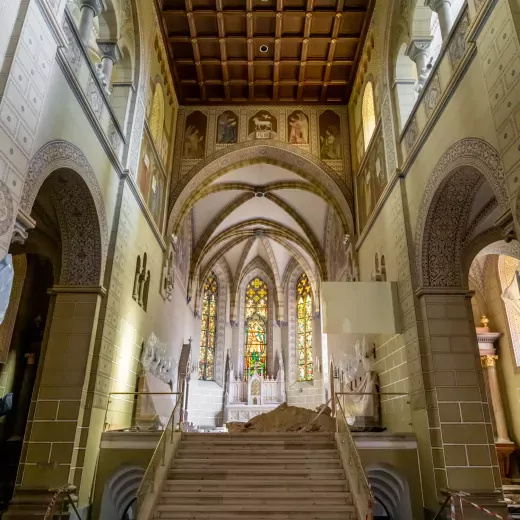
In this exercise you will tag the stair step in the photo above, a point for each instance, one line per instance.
(254, 473)
(309, 464)
(261, 508)
(226, 453)
(264, 435)
(254, 515)
(254, 498)
(261, 484)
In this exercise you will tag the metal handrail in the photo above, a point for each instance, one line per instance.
(159, 455)
(362, 496)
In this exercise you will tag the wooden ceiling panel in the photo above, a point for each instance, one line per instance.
(267, 51)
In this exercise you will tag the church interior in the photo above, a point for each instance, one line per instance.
(259, 259)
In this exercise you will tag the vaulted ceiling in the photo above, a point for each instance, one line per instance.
(264, 51)
(260, 212)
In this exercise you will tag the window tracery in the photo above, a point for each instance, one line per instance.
(304, 337)
(256, 315)
(157, 116)
(368, 114)
(208, 329)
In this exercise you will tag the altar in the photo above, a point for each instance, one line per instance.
(248, 397)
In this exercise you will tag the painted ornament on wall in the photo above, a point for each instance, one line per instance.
(195, 136)
(262, 125)
(298, 128)
(330, 136)
(151, 180)
(227, 128)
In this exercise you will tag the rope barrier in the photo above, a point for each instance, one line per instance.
(476, 506)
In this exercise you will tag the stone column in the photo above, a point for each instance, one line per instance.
(110, 54)
(488, 362)
(89, 10)
(56, 435)
(443, 10)
(418, 52)
(463, 454)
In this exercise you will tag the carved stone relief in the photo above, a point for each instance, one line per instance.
(412, 132)
(57, 155)
(6, 209)
(432, 95)
(442, 218)
(458, 43)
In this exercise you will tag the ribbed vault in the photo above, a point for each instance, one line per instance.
(259, 215)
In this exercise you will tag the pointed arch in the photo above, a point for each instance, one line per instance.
(304, 317)
(208, 328)
(368, 113)
(157, 115)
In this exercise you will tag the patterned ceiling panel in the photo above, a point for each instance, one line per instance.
(265, 51)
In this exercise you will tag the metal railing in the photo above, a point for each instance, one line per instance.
(358, 482)
(138, 411)
(149, 484)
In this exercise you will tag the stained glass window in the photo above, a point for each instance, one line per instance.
(304, 336)
(208, 329)
(256, 327)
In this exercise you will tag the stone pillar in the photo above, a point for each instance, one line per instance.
(110, 54)
(55, 442)
(443, 10)
(89, 10)
(463, 447)
(418, 52)
(490, 374)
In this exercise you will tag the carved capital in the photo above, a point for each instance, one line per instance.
(22, 225)
(110, 50)
(435, 5)
(488, 360)
(98, 6)
(418, 46)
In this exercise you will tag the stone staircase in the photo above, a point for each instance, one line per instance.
(275, 476)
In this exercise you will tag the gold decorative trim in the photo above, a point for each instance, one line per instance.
(488, 360)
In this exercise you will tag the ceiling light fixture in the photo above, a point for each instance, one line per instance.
(264, 48)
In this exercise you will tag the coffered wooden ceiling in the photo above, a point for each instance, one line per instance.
(264, 51)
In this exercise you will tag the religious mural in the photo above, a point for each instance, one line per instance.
(227, 128)
(298, 128)
(336, 252)
(263, 125)
(371, 182)
(330, 136)
(195, 136)
(151, 179)
(183, 250)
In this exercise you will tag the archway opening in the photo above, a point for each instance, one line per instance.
(63, 248)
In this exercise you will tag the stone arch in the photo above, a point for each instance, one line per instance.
(390, 489)
(119, 491)
(257, 268)
(80, 210)
(270, 152)
(447, 199)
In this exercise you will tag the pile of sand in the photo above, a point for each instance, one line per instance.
(287, 419)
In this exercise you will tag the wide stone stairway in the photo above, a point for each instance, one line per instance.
(271, 476)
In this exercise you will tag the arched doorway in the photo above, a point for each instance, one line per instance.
(61, 265)
(464, 208)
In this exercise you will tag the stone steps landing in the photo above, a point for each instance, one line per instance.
(277, 476)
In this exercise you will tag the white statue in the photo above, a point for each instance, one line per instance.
(362, 407)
